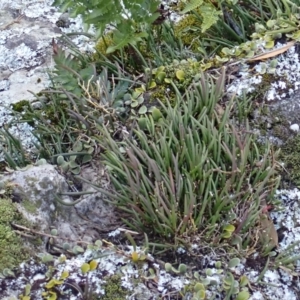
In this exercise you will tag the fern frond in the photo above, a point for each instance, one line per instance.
(210, 16)
(126, 40)
(193, 4)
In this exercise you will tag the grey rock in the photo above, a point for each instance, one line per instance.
(35, 190)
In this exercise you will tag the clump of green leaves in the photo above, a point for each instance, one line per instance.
(63, 119)
(81, 154)
(232, 287)
(208, 13)
(71, 70)
(130, 19)
(182, 268)
(193, 171)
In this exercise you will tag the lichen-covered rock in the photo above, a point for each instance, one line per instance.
(34, 190)
(37, 195)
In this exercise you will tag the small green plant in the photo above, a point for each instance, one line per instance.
(190, 170)
(130, 19)
(50, 292)
(26, 295)
(182, 268)
(12, 149)
(80, 151)
(63, 121)
(199, 292)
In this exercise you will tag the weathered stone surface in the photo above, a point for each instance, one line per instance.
(37, 187)
(25, 45)
(35, 190)
(26, 31)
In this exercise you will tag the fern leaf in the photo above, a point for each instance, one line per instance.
(210, 16)
(193, 4)
(126, 40)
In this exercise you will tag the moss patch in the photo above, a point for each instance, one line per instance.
(113, 289)
(181, 73)
(12, 251)
(290, 155)
(185, 29)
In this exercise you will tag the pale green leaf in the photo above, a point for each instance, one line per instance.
(193, 4)
(180, 75)
(234, 262)
(85, 268)
(86, 158)
(143, 110)
(244, 295)
(126, 40)
(93, 265)
(210, 16)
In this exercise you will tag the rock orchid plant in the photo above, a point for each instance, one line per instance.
(188, 170)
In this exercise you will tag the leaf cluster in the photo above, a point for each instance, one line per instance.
(123, 16)
(191, 171)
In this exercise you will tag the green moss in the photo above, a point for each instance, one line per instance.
(102, 45)
(23, 107)
(51, 112)
(189, 68)
(290, 155)
(20, 106)
(113, 289)
(159, 93)
(185, 30)
(12, 250)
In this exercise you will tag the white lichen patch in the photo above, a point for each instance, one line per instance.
(283, 71)
(26, 56)
(275, 284)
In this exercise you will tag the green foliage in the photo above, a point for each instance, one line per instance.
(205, 26)
(210, 16)
(208, 13)
(130, 19)
(160, 81)
(63, 120)
(191, 5)
(113, 288)
(193, 171)
(207, 279)
(13, 151)
(81, 153)
(182, 268)
(70, 71)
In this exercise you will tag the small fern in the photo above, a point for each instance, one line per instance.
(127, 17)
(69, 70)
(209, 14)
(193, 4)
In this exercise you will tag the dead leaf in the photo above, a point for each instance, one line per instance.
(289, 271)
(219, 110)
(54, 47)
(268, 234)
(273, 53)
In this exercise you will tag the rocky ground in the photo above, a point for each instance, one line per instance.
(26, 31)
